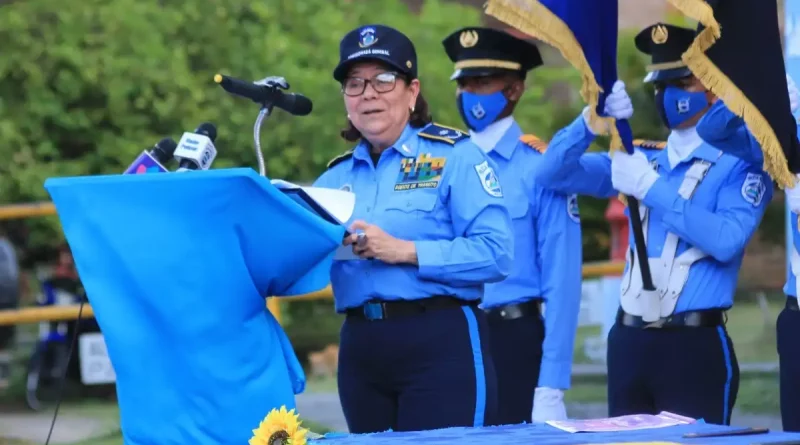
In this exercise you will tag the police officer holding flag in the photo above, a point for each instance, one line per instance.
(532, 355)
(700, 207)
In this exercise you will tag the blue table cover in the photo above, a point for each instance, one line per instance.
(546, 434)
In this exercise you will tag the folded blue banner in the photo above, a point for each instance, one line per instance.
(176, 267)
(586, 33)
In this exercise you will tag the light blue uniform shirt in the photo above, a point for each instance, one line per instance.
(547, 253)
(728, 132)
(720, 219)
(438, 189)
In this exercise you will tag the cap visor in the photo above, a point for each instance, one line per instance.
(479, 72)
(341, 70)
(664, 75)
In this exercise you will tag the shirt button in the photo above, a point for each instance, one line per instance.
(368, 209)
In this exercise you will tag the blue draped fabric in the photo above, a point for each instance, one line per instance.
(177, 268)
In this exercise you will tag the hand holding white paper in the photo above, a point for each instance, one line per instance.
(177, 268)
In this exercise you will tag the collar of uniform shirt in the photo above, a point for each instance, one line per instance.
(681, 143)
(488, 138)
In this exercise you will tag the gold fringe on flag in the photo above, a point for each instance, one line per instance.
(721, 85)
(535, 19)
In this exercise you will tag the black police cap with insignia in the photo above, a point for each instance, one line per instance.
(484, 51)
(380, 43)
(665, 44)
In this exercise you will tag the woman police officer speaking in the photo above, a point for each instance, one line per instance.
(429, 229)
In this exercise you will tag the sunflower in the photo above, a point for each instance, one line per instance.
(280, 427)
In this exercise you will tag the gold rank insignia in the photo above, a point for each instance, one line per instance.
(534, 142)
(443, 133)
(468, 39)
(650, 145)
(659, 35)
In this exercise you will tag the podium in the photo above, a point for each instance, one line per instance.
(177, 268)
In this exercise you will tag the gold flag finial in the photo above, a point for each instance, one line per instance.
(468, 39)
(659, 35)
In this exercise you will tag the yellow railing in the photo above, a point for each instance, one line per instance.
(62, 313)
(19, 211)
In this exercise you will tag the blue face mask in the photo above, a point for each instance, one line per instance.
(480, 110)
(676, 105)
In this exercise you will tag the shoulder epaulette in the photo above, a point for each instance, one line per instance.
(341, 158)
(650, 145)
(534, 142)
(438, 132)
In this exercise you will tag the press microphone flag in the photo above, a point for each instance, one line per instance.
(153, 161)
(267, 91)
(196, 353)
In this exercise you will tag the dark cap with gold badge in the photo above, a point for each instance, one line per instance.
(377, 42)
(665, 44)
(484, 51)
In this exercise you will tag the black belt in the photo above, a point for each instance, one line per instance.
(692, 319)
(791, 304)
(532, 308)
(381, 310)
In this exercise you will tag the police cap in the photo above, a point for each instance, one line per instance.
(484, 51)
(380, 43)
(665, 44)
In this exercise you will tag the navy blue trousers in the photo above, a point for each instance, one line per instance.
(788, 328)
(517, 352)
(687, 371)
(419, 372)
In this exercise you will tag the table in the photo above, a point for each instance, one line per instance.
(527, 434)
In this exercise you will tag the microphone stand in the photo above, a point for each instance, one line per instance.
(266, 109)
(263, 114)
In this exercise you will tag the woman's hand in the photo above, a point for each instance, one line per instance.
(375, 243)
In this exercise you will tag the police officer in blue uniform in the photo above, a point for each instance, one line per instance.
(532, 356)
(430, 228)
(729, 133)
(669, 349)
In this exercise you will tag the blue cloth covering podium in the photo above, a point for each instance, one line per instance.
(177, 268)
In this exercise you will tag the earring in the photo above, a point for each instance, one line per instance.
(412, 109)
(348, 116)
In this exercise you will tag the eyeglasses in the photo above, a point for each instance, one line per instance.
(381, 83)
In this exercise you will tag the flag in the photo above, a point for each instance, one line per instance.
(585, 32)
(737, 55)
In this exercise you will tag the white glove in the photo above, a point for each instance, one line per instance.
(631, 174)
(794, 94)
(548, 404)
(793, 196)
(618, 103)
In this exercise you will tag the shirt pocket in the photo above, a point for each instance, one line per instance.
(408, 215)
(518, 205)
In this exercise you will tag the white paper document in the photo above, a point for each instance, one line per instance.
(335, 206)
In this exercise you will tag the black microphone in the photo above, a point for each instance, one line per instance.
(196, 150)
(153, 161)
(294, 103)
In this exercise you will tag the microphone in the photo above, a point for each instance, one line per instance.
(153, 161)
(267, 90)
(196, 150)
